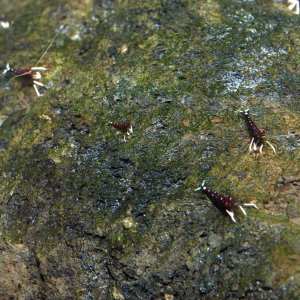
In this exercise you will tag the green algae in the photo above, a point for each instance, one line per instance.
(172, 82)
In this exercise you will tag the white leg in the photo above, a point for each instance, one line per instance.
(242, 209)
(250, 205)
(130, 129)
(36, 90)
(255, 148)
(37, 75)
(273, 148)
(250, 147)
(6, 69)
(260, 148)
(124, 138)
(4, 24)
(38, 69)
(294, 4)
(231, 214)
(38, 83)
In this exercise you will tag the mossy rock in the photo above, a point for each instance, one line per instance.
(85, 215)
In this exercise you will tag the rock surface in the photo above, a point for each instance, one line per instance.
(85, 215)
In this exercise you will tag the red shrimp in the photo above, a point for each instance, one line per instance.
(30, 76)
(257, 136)
(227, 204)
(125, 128)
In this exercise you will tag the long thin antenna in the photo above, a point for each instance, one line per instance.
(19, 76)
(51, 43)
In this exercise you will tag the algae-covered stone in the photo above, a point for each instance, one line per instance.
(86, 215)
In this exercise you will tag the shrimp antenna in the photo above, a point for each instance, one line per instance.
(51, 43)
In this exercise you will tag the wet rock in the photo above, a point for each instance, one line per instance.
(85, 215)
(19, 274)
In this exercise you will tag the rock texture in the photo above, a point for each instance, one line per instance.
(85, 215)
